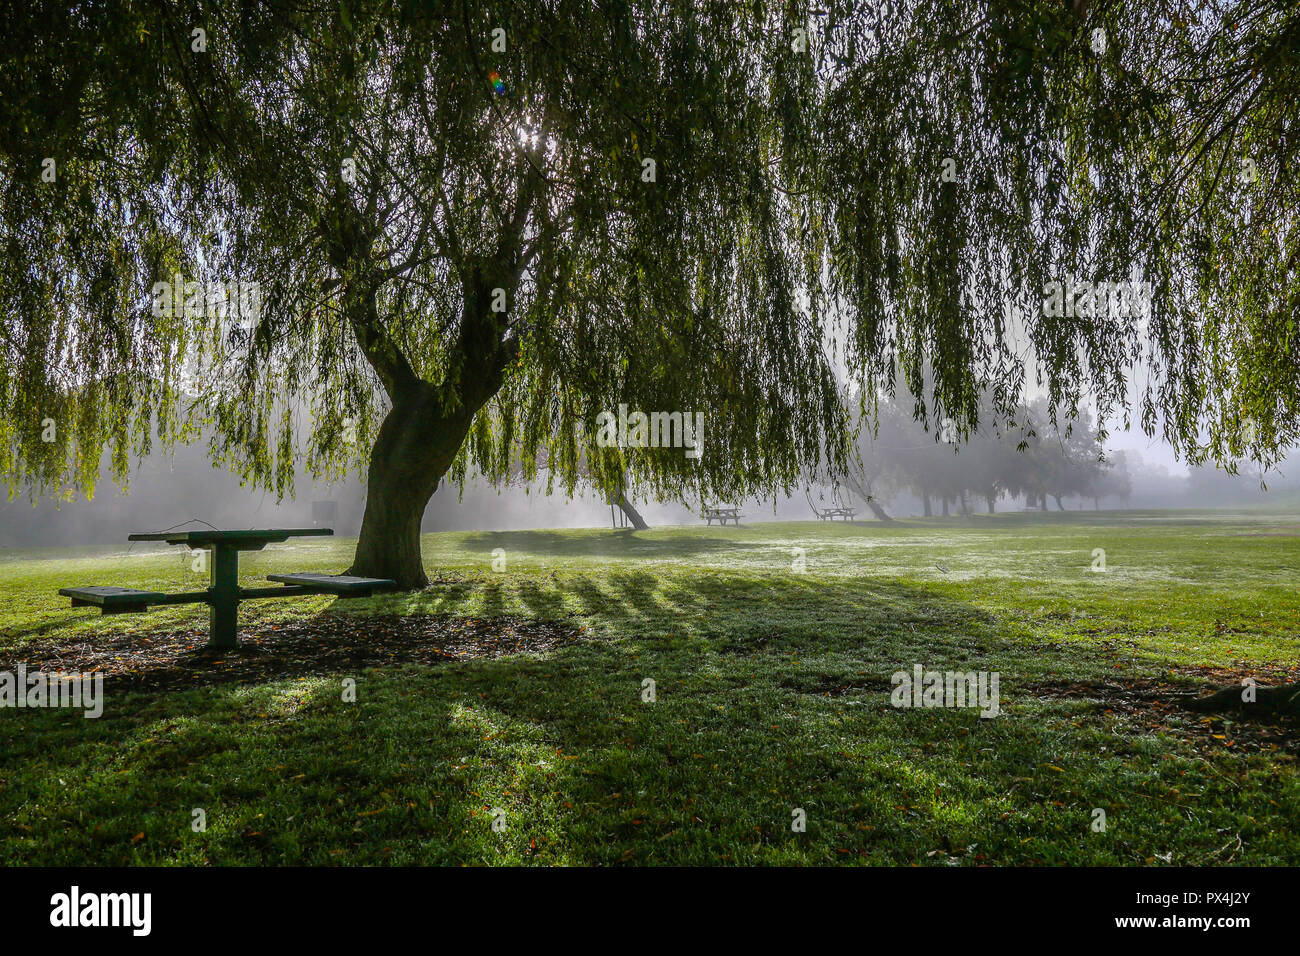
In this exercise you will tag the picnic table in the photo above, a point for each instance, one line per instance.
(224, 593)
(830, 514)
(721, 515)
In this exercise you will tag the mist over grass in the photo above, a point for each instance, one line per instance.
(165, 492)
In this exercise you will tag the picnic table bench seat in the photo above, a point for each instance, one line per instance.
(343, 585)
(224, 594)
(112, 600)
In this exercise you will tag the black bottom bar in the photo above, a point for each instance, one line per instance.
(936, 909)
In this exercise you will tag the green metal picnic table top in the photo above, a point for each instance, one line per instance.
(211, 536)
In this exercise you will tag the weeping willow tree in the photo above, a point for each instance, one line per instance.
(474, 228)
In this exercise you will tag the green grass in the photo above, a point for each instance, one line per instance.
(772, 694)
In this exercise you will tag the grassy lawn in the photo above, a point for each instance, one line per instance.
(772, 693)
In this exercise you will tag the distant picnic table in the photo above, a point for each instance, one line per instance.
(830, 514)
(721, 515)
(224, 594)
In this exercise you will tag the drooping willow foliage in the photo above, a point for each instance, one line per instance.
(1144, 142)
(701, 206)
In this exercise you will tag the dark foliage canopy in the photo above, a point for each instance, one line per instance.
(546, 208)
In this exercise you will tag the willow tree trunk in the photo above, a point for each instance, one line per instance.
(878, 511)
(417, 443)
(867, 497)
(427, 423)
(633, 515)
(863, 491)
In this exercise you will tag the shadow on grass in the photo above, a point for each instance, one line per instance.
(35, 631)
(576, 765)
(585, 544)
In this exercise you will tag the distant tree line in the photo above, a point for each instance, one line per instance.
(1028, 456)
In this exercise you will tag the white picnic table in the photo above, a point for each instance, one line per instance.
(830, 514)
(721, 515)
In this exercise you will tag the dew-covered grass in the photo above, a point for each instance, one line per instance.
(772, 694)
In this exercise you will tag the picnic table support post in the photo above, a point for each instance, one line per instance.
(223, 632)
